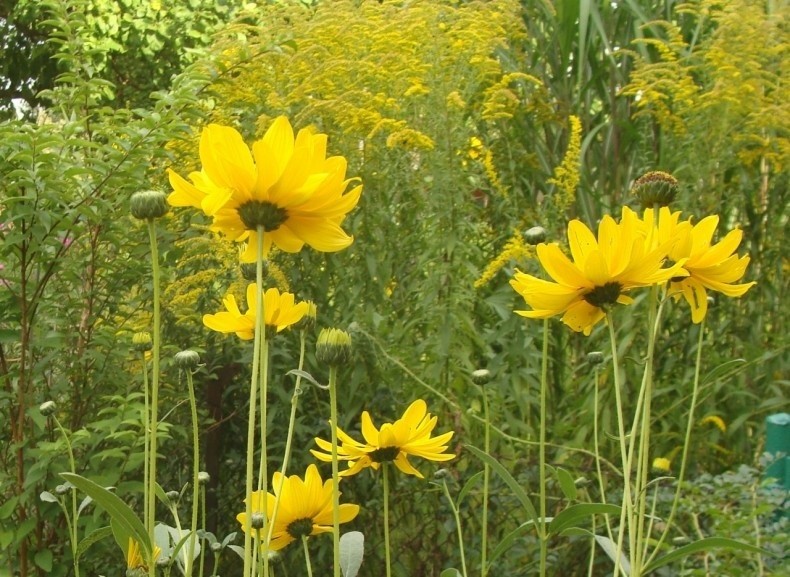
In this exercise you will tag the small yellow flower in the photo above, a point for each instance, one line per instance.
(409, 435)
(134, 555)
(662, 464)
(285, 185)
(305, 508)
(280, 311)
(716, 421)
(603, 270)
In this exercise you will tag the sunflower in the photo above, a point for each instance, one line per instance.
(280, 312)
(305, 508)
(708, 266)
(603, 270)
(135, 564)
(285, 186)
(409, 435)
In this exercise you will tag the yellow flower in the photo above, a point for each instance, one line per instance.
(709, 266)
(134, 556)
(305, 508)
(602, 271)
(284, 184)
(662, 464)
(279, 312)
(716, 421)
(409, 435)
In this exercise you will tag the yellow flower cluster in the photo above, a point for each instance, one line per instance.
(566, 175)
(515, 249)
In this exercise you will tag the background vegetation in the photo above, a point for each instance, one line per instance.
(468, 122)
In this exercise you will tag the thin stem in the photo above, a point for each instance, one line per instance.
(686, 443)
(457, 517)
(486, 478)
(627, 508)
(542, 448)
(146, 441)
(256, 353)
(73, 524)
(156, 342)
(307, 556)
(335, 473)
(195, 467)
(386, 483)
(601, 486)
(289, 438)
(203, 527)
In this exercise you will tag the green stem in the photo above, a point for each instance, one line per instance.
(601, 486)
(195, 469)
(203, 527)
(73, 537)
(486, 478)
(289, 437)
(457, 517)
(542, 448)
(686, 444)
(249, 566)
(307, 556)
(146, 441)
(335, 472)
(156, 343)
(627, 506)
(386, 482)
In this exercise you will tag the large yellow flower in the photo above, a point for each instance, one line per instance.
(279, 312)
(305, 508)
(134, 557)
(708, 266)
(603, 270)
(284, 184)
(409, 435)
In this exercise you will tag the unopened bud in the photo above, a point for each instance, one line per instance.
(173, 495)
(307, 322)
(257, 520)
(333, 347)
(441, 474)
(187, 360)
(62, 489)
(655, 189)
(535, 235)
(148, 204)
(142, 341)
(481, 377)
(48, 408)
(595, 357)
(203, 478)
(216, 547)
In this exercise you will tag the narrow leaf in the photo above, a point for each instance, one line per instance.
(352, 549)
(703, 545)
(567, 484)
(610, 548)
(517, 489)
(571, 516)
(508, 540)
(468, 487)
(93, 537)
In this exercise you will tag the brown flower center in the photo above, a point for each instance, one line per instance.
(603, 296)
(300, 528)
(257, 213)
(384, 454)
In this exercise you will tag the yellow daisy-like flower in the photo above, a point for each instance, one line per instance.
(409, 435)
(134, 556)
(279, 311)
(305, 508)
(285, 185)
(662, 464)
(603, 269)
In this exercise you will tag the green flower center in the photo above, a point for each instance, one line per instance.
(603, 296)
(257, 213)
(300, 528)
(384, 454)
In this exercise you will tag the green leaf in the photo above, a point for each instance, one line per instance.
(91, 538)
(468, 487)
(571, 516)
(517, 489)
(43, 559)
(352, 549)
(703, 545)
(48, 497)
(610, 548)
(509, 539)
(119, 512)
(567, 484)
(450, 573)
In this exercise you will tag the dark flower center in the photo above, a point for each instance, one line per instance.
(384, 454)
(300, 528)
(603, 296)
(257, 213)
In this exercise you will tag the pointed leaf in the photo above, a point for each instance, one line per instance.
(352, 549)
(517, 489)
(468, 487)
(508, 540)
(48, 497)
(703, 545)
(610, 548)
(91, 538)
(571, 516)
(567, 484)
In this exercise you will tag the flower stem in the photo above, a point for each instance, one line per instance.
(386, 483)
(73, 524)
(195, 469)
(249, 567)
(486, 478)
(203, 526)
(686, 443)
(542, 448)
(454, 509)
(307, 556)
(335, 472)
(156, 343)
(601, 486)
(146, 441)
(289, 438)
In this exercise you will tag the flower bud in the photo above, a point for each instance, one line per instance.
(481, 377)
(662, 465)
(62, 489)
(142, 341)
(173, 495)
(48, 408)
(535, 235)
(163, 561)
(441, 474)
(148, 204)
(187, 360)
(333, 347)
(257, 520)
(595, 357)
(307, 322)
(655, 189)
(203, 478)
(216, 547)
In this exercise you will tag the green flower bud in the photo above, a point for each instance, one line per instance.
(203, 478)
(535, 235)
(333, 347)
(655, 189)
(48, 408)
(173, 495)
(148, 204)
(307, 322)
(62, 489)
(187, 360)
(481, 377)
(142, 341)
(441, 474)
(216, 547)
(257, 520)
(595, 357)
